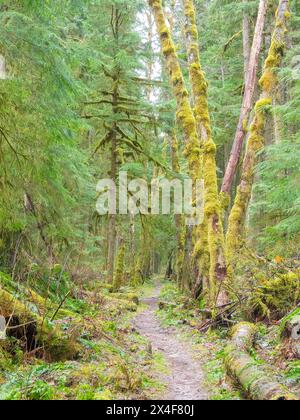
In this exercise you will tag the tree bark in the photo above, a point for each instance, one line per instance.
(246, 41)
(119, 272)
(184, 115)
(3, 74)
(184, 110)
(216, 244)
(250, 82)
(255, 380)
(268, 83)
(179, 218)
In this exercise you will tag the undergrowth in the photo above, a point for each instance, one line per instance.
(113, 361)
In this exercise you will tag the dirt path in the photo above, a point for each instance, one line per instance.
(185, 381)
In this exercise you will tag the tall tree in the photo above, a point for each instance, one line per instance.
(250, 83)
(268, 83)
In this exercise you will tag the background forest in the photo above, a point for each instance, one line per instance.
(92, 88)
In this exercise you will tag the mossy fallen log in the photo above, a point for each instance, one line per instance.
(130, 297)
(37, 331)
(255, 380)
(166, 305)
(290, 333)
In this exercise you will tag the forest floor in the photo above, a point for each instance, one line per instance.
(142, 343)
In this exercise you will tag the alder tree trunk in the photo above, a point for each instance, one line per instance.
(268, 83)
(112, 221)
(213, 221)
(184, 114)
(179, 218)
(250, 82)
(246, 41)
(3, 74)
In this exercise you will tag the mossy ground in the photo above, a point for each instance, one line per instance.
(114, 360)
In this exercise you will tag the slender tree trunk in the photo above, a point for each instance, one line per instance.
(185, 115)
(184, 110)
(246, 42)
(247, 100)
(216, 243)
(112, 222)
(119, 272)
(179, 219)
(30, 206)
(268, 83)
(3, 74)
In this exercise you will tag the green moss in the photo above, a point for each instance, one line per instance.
(268, 83)
(58, 346)
(273, 298)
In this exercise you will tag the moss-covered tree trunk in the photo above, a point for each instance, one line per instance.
(184, 114)
(112, 221)
(268, 83)
(214, 230)
(119, 271)
(179, 219)
(250, 82)
(36, 330)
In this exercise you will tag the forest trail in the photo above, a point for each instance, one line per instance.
(186, 378)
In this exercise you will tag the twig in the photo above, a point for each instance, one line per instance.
(60, 305)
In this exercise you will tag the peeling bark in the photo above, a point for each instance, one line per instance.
(250, 81)
(268, 83)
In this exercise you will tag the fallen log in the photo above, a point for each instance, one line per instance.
(290, 328)
(36, 331)
(255, 380)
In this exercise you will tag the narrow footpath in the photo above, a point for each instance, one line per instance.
(186, 378)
